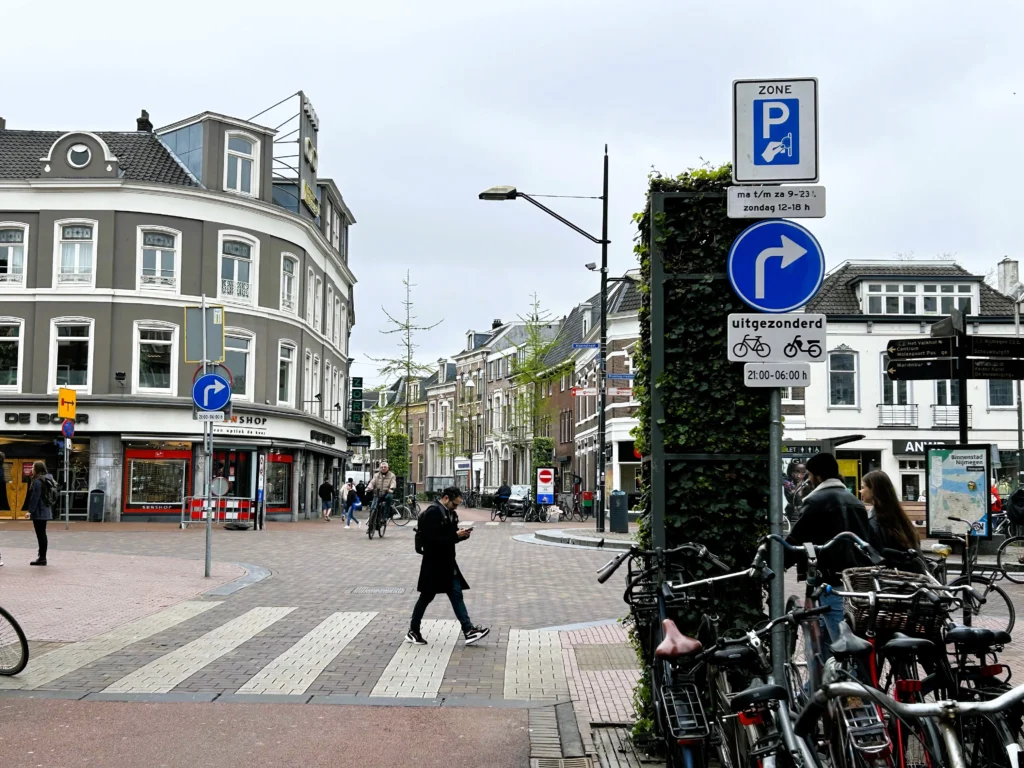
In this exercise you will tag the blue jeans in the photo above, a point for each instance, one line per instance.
(349, 516)
(831, 620)
(458, 603)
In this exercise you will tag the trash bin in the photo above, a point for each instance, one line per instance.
(96, 501)
(618, 518)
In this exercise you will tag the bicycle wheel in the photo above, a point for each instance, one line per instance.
(13, 645)
(503, 513)
(371, 524)
(542, 514)
(494, 513)
(740, 350)
(382, 524)
(401, 515)
(996, 612)
(1010, 559)
(796, 670)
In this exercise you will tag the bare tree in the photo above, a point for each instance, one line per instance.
(404, 365)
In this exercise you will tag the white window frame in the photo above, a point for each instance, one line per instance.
(57, 226)
(256, 148)
(895, 385)
(20, 322)
(10, 284)
(337, 382)
(176, 234)
(296, 275)
(153, 325)
(328, 392)
(1013, 396)
(336, 336)
(317, 384)
(290, 401)
(341, 324)
(856, 379)
(329, 314)
(55, 323)
(250, 363)
(318, 304)
(254, 269)
(310, 295)
(328, 218)
(307, 381)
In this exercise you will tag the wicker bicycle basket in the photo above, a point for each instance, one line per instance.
(919, 617)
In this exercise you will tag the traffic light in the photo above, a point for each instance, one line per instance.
(356, 405)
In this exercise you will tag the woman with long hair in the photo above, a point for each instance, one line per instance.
(38, 508)
(889, 526)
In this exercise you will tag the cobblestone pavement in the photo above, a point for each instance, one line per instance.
(330, 620)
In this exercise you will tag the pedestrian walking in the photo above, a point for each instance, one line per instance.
(41, 499)
(888, 524)
(5, 505)
(352, 502)
(828, 510)
(437, 533)
(326, 494)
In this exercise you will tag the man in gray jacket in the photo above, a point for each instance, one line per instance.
(382, 485)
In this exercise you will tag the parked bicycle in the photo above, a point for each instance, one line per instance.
(471, 500)
(13, 645)
(403, 513)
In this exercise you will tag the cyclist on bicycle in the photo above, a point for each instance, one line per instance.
(503, 494)
(382, 485)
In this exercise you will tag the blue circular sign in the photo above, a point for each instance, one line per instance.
(67, 428)
(211, 392)
(776, 266)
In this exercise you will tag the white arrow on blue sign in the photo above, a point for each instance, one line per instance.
(211, 392)
(776, 266)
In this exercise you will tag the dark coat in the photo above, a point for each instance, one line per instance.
(438, 530)
(326, 491)
(34, 504)
(827, 512)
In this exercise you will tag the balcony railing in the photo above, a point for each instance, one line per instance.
(949, 416)
(236, 289)
(288, 303)
(74, 278)
(12, 278)
(897, 415)
(158, 281)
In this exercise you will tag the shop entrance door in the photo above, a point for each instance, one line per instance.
(239, 469)
(20, 473)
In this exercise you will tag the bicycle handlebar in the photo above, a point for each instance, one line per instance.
(819, 549)
(605, 571)
(806, 723)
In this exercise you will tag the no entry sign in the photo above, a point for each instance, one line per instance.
(545, 485)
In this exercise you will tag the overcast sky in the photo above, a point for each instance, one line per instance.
(424, 104)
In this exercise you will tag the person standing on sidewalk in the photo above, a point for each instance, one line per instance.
(437, 533)
(326, 494)
(351, 499)
(42, 496)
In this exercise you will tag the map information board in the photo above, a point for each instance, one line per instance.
(958, 486)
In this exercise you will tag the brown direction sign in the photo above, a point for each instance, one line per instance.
(924, 347)
(995, 346)
(919, 370)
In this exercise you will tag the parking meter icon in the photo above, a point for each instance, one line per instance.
(776, 131)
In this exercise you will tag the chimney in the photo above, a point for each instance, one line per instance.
(496, 324)
(1008, 276)
(143, 124)
(3, 124)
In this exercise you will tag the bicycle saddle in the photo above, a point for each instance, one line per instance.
(675, 644)
(756, 693)
(849, 644)
(972, 637)
(902, 644)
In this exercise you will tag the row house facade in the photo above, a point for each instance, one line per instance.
(470, 373)
(867, 303)
(441, 391)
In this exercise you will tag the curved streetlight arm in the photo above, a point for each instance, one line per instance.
(562, 219)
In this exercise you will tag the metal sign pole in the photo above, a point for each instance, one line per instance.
(778, 586)
(208, 465)
(67, 494)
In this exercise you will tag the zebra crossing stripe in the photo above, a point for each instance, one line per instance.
(534, 667)
(163, 674)
(69, 658)
(416, 671)
(296, 669)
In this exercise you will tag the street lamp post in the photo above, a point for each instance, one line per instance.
(511, 193)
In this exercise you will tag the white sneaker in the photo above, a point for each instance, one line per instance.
(347, 527)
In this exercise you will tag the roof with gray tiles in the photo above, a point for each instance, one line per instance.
(572, 331)
(838, 292)
(628, 297)
(140, 154)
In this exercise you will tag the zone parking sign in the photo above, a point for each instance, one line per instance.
(775, 131)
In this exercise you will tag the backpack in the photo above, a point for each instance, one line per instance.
(49, 492)
(417, 541)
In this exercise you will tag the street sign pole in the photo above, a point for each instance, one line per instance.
(208, 466)
(67, 495)
(961, 363)
(777, 595)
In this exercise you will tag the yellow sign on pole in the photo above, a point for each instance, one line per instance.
(67, 402)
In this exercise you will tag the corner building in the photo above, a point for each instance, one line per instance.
(105, 238)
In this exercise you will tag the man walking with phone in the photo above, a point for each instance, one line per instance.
(437, 533)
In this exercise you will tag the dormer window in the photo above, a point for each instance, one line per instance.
(242, 164)
(918, 299)
(79, 156)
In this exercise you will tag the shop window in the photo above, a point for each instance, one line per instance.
(277, 483)
(157, 480)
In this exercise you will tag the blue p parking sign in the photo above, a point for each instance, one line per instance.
(776, 132)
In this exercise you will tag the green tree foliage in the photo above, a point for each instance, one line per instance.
(530, 414)
(708, 410)
(398, 455)
(383, 420)
(543, 455)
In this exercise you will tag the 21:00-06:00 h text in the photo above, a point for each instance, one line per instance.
(785, 377)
